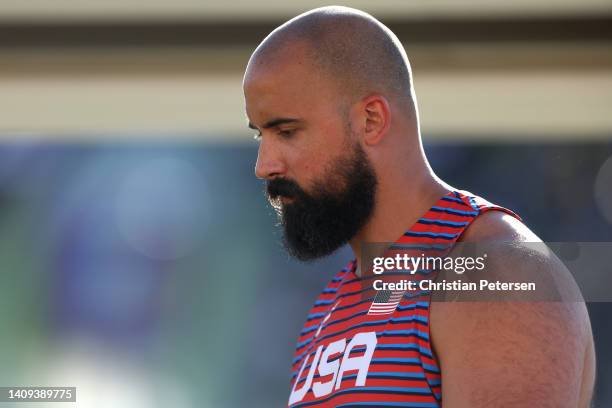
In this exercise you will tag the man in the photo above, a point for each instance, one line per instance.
(330, 95)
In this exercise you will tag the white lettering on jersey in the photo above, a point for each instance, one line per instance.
(326, 367)
(297, 395)
(321, 363)
(361, 363)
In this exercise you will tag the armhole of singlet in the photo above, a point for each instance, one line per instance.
(484, 205)
(481, 207)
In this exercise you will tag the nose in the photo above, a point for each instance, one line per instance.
(269, 161)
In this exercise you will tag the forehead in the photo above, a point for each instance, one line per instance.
(285, 84)
(278, 78)
(273, 62)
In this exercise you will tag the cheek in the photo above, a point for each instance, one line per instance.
(305, 166)
(316, 168)
(315, 150)
(304, 169)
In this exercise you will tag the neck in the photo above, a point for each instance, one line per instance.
(400, 201)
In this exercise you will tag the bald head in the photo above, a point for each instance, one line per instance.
(329, 95)
(357, 52)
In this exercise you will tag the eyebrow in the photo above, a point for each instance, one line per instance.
(275, 122)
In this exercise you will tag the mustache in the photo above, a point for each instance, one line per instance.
(282, 187)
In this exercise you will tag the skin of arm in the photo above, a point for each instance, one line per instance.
(495, 353)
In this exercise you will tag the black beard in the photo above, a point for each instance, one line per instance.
(318, 223)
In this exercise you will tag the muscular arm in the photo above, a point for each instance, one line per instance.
(509, 353)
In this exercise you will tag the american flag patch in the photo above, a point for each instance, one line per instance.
(385, 302)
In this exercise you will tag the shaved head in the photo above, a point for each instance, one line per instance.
(330, 95)
(356, 51)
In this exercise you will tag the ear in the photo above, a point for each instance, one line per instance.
(377, 115)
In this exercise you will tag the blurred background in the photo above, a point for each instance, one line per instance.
(139, 261)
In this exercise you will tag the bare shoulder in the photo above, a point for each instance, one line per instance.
(498, 226)
(499, 353)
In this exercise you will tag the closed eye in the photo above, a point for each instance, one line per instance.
(286, 133)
